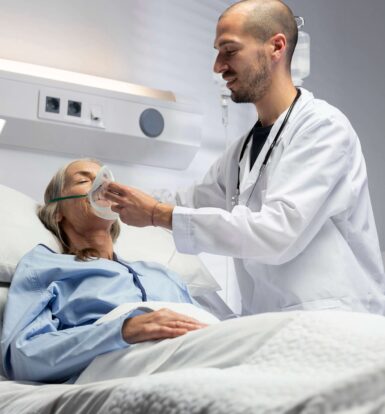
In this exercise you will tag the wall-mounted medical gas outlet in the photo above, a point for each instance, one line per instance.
(52, 104)
(74, 109)
(71, 107)
(80, 115)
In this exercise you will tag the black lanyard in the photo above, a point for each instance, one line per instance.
(267, 156)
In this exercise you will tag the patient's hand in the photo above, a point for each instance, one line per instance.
(159, 324)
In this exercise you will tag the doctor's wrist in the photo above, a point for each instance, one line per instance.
(162, 215)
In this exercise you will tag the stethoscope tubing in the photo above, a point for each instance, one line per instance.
(235, 199)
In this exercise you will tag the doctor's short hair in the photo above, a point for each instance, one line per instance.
(47, 213)
(266, 18)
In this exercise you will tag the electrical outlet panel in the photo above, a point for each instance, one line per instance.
(76, 108)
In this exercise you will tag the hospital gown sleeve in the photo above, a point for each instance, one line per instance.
(35, 349)
(306, 188)
(42, 353)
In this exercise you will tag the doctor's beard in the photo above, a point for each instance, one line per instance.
(255, 82)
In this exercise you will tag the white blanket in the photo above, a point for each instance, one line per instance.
(312, 362)
(335, 359)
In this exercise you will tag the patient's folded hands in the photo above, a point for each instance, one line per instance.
(160, 324)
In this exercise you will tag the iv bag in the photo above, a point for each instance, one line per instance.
(300, 65)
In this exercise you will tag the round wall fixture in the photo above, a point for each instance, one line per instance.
(151, 122)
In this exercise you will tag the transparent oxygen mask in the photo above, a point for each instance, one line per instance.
(96, 196)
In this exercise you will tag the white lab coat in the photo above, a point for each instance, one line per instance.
(307, 237)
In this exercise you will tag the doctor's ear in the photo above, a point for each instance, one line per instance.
(278, 45)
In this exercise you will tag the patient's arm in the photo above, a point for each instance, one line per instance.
(42, 352)
(160, 324)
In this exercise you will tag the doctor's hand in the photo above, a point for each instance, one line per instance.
(137, 208)
(160, 324)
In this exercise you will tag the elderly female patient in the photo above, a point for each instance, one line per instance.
(49, 332)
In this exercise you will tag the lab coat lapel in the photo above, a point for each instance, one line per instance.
(233, 173)
(247, 177)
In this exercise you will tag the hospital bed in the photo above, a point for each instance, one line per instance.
(313, 362)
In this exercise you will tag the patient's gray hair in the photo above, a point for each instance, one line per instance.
(49, 211)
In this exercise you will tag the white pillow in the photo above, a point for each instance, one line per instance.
(21, 230)
(3, 299)
(155, 244)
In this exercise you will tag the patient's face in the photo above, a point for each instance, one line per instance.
(78, 212)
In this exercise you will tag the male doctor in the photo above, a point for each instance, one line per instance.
(289, 201)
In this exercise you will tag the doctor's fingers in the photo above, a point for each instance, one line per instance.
(128, 199)
(128, 195)
(116, 188)
(117, 192)
(116, 198)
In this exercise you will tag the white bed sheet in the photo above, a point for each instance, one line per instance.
(308, 362)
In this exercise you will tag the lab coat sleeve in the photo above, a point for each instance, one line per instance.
(305, 189)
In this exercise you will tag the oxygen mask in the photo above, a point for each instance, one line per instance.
(96, 195)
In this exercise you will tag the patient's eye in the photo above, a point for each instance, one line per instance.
(80, 178)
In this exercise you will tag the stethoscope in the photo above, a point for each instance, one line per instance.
(235, 197)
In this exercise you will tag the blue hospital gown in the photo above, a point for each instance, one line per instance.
(53, 301)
